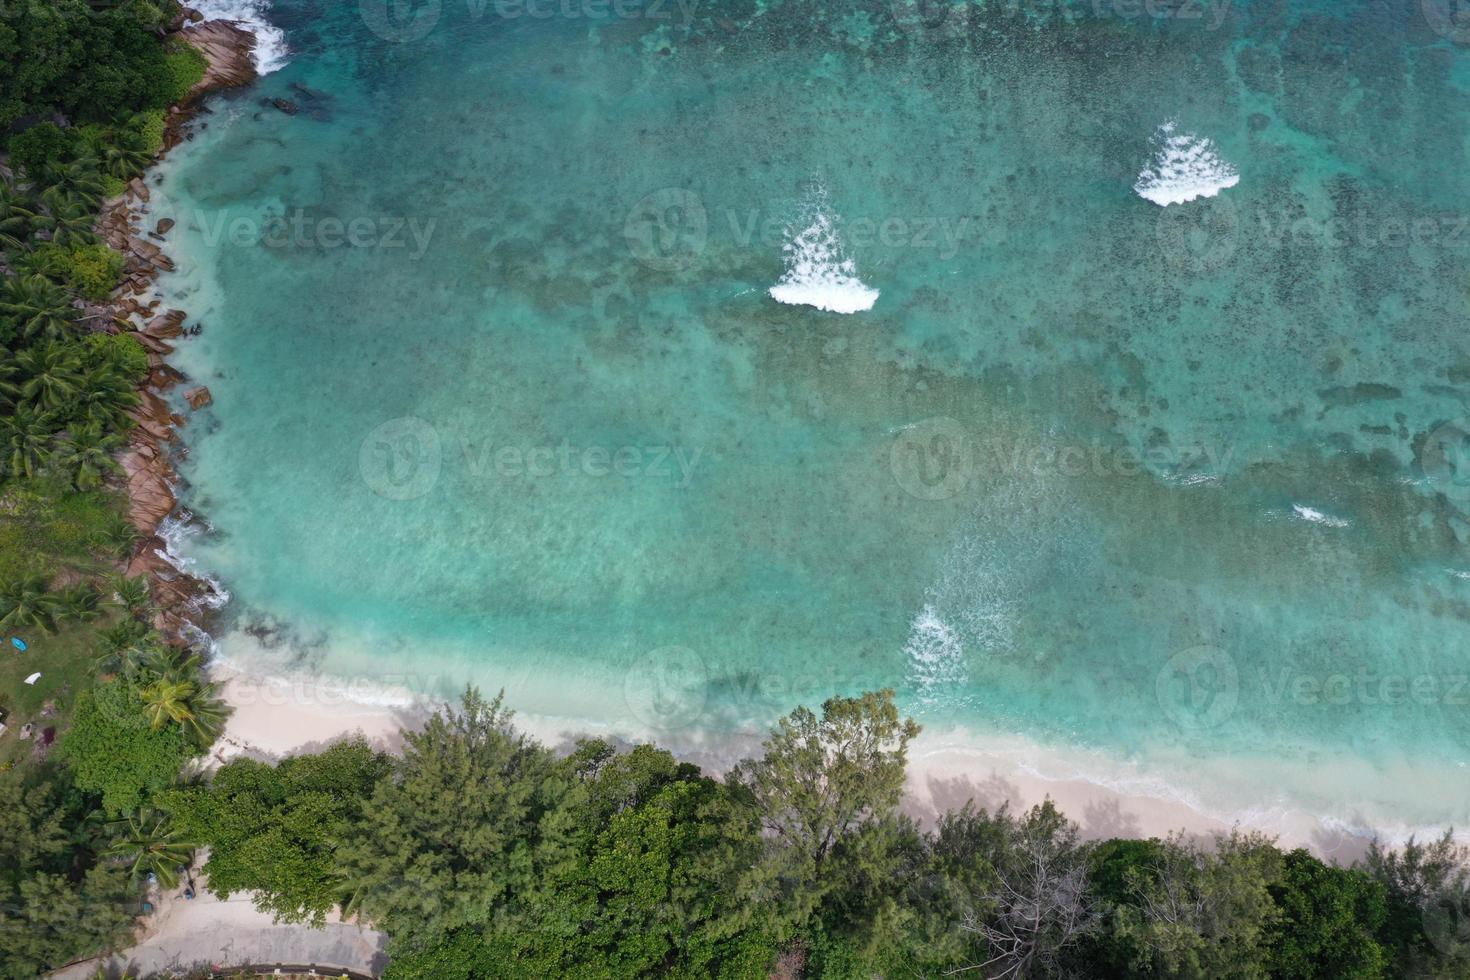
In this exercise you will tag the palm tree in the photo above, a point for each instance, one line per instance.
(169, 661)
(80, 602)
(169, 698)
(25, 602)
(18, 215)
(67, 215)
(53, 375)
(9, 382)
(104, 399)
(126, 646)
(87, 456)
(82, 178)
(207, 716)
(147, 841)
(115, 152)
(130, 593)
(25, 439)
(37, 306)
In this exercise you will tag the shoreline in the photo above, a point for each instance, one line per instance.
(943, 772)
(281, 715)
(135, 308)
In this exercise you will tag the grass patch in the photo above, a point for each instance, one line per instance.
(65, 661)
(46, 528)
(184, 68)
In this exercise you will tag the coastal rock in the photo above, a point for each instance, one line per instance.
(146, 559)
(170, 324)
(147, 251)
(286, 105)
(164, 226)
(226, 49)
(199, 398)
(149, 478)
(153, 345)
(162, 377)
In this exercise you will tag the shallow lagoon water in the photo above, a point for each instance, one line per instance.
(501, 394)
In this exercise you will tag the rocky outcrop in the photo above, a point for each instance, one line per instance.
(226, 48)
(146, 463)
(198, 398)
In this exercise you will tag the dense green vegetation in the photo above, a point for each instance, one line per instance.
(115, 714)
(484, 854)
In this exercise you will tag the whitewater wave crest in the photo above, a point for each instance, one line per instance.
(174, 532)
(1184, 167)
(270, 52)
(819, 272)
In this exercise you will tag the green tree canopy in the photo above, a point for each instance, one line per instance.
(821, 782)
(113, 752)
(449, 836)
(274, 831)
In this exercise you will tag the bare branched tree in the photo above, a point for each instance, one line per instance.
(1039, 905)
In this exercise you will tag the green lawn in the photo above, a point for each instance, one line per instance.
(49, 530)
(65, 662)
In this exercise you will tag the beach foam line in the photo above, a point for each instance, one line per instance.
(818, 271)
(271, 53)
(1184, 167)
(1106, 794)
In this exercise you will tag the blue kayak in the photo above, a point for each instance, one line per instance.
(18, 643)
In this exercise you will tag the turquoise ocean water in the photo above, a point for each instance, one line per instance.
(500, 394)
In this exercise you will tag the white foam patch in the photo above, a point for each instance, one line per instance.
(175, 532)
(819, 272)
(1316, 516)
(1184, 167)
(270, 51)
(935, 653)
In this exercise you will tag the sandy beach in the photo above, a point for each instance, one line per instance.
(278, 716)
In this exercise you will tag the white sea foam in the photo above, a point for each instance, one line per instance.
(935, 653)
(818, 270)
(1316, 516)
(270, 41)
(174, 532)
(1184, 167)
